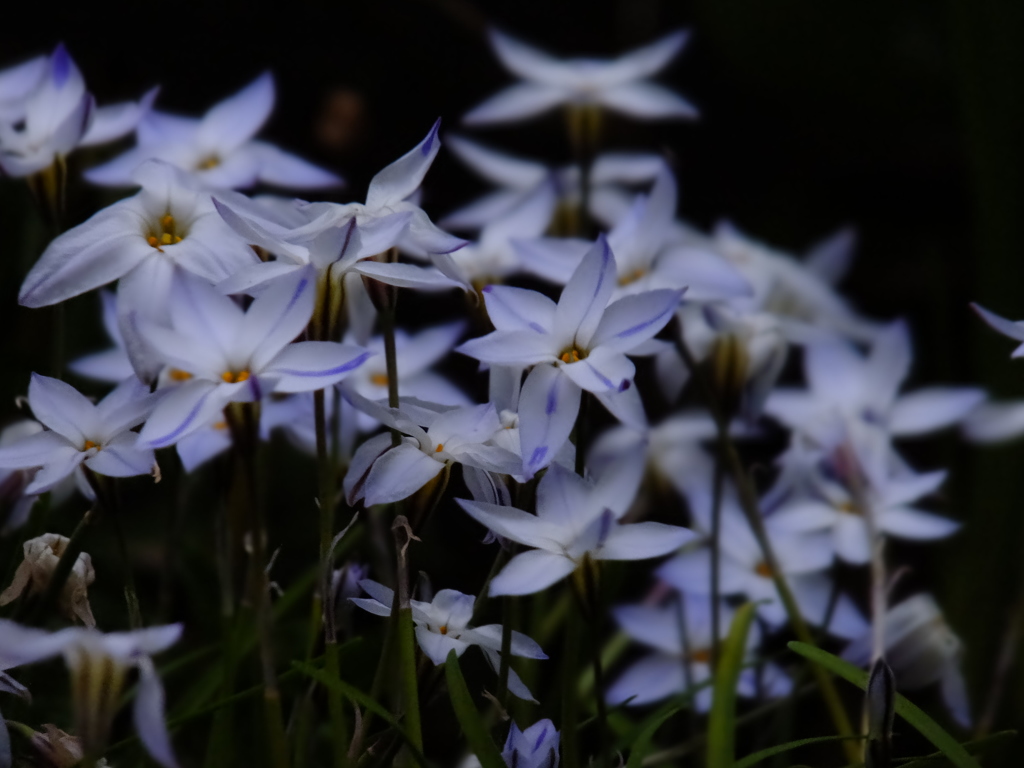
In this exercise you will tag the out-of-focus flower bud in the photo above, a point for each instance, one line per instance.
(56, 748)
(42, 554)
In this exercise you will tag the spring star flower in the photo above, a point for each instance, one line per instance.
(80, 433)
(381, 472)
(536, 747)
(578, 344)
(619, 85)
(337, 239)
(219, 148)
(442, 626)
(572, 526)
(56, 115)
(16, 83)
(216, 354)
(98, 664)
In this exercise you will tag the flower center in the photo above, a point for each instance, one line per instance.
(572, 355)
(164, 234)
(632, 277)
(230, 377)
(220, 425)
(443, 629)
(847, 507)
(440, 447)
(208, 162)
(177, 374)
(701, 655)
(90, 444)
(379, 379)
(762, 569)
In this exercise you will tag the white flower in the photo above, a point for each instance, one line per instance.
(169, 223)
(572, 525)
(55, 115)
(80, 433)
(111, 365)
(442, 626)
(665, 672)
(618, 84)
(575, 345)
(921, 649)
(845, 386)
(13, 482)
(98, 664)
(649, 253)
(381, 473)
(216, 353)
(518, 178)
(341, 238)
(219, 147)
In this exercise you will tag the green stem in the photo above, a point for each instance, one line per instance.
(387, 317)
(506, 648)
(752, 513)
(581, 433)
(106, 492)
(716, 532)
(570, 702)
(406, 636)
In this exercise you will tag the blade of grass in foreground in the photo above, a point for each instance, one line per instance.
(469, 718)
(722, 721)
(927, 727)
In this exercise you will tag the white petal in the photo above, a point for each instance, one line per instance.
(406, 276)
(554, 259)
(932, 408)
(889, 363)
(516, 309)
(659, 628)
(63, 408)
(851, 539)
(114, 121)
(34, 450)
(804, 515)
(187, 408)
(548, 406)
(601, 371)
(653, 678)
(528, 62)
(233, 121)
(148, 713)
(477, 214)
(403, 177)
(640, 541)
(275, 319)
(585, 296)
(634, 319)
(199, 447)
(398, 474)
(645, 61)
(200, 311)
(510, 348)
(994, 422)
(517, 102)
(646, 100)
(490, 636)
(61, 464)
(425, 237)
(835, 372)
(1013, 329)
(110, 366)
(909, 523)
(830, 259)
(283, 169)
(437, 646)
(310, 365)
(120, 458)
(624, 403)
(954, 693)
(497, 167)
(531, 572)
(514, 524)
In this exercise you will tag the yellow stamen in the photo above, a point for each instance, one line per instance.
(207, 163)
(153, 241)
(571, 356)
(230, 377)
(221, 425)
(701, 654)
(762, 569)
(166, 239)
(177, 238)
(90, 444)
(177, 374)
(632, 277)
(167, 222)
(379, 379)
(440, 447)
(443, 629)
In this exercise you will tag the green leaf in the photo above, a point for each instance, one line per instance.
(974, 747)
(722, 721)
(354, 694)
(642, 745)
(764, 754)
(469, 718)
(927, 727)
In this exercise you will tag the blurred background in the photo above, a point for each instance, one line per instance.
(904, 120)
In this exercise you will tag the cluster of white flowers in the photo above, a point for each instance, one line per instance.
(223, 299)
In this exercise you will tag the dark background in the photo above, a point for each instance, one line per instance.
(904, 119)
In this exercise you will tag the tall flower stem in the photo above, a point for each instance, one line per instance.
(106, 496)
(570, 701)
(406, 637)
(752, 513)
(387, 318)
(716, 556)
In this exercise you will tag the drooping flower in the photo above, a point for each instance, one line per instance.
(442, 626)
(98, 664)
(78, 432)
(215, 353)
(572, 526)
(42, 554)
(619, 85)
(219, 147)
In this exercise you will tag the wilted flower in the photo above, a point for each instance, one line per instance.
(42, 554)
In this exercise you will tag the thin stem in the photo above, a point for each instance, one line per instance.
(506, 648)
(752, 513)
(570, 703)
(387, 318)
(582, 420)
(716, 529)
(406, 637)
(106, 493)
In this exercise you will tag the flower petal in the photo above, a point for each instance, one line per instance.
(646, 101)
(511, 348)
(910, 523)
(640, 541)
(148, 714)
(515, 524)
(601, 371)
(500, 169)
(405, 175)
(646, 60)
(518, 309)
(34, 450)
(233, 121)
(120, 458)
(398, 474)
(517, 102)
(932, 408)
(310, 365)
(187, 408)
(652, 678)
(530, 572)
(585, 296)
(62, 408)
(277, 316)
(548, 406)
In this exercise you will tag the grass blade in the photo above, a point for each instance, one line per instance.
(756, 757)
(469, 718)
(642, 744)
(914, 715)
(722, 721)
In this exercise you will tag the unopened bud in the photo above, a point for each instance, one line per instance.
(42, 555)
(730, 367)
